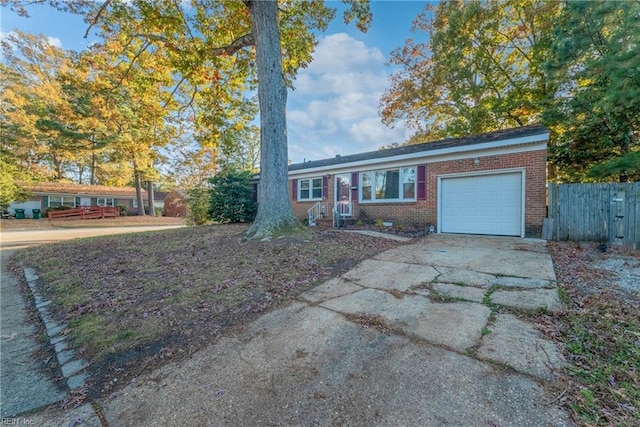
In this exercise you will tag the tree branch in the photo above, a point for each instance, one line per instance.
(97, 17)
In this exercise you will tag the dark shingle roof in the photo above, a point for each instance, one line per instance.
(498, 135)
(79, 189)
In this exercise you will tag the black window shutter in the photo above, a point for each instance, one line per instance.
(422, 182)
(354, 186)
(325, 186)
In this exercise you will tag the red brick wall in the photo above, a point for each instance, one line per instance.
(421, 213)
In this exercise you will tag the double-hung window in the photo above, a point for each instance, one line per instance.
(310, 189)
(105, 201)
(57, 201)
(388, 185)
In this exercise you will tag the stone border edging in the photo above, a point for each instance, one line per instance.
(73, 368)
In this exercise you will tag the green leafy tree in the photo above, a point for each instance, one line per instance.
(595, 112)
(232, 197)
(481, 70)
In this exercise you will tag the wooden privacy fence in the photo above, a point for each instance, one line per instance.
(606, 213)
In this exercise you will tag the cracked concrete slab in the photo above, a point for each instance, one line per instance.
(330, 289)
(390, 275)
(419, 316)
(468, 293)
(517, 282)
(396, 311)
(480, 259)
(519, 345)
(529, 299)
(489, 242)
(435, 324)
(464, 277)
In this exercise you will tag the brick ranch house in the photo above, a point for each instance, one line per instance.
(492, 183)
(47, 195)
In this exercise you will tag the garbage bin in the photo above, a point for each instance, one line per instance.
(36, 213)
(20, 214)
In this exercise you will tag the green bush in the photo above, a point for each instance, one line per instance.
(198, 202)
(124, 211)
(56, 208)
(232, 197)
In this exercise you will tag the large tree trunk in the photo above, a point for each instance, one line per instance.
(139, 198)
(92, 178)
(150, 195)
(275, 215)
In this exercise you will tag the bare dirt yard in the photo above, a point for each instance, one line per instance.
(600, 332)
(134, 302)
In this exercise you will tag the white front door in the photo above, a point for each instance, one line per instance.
(343, 194)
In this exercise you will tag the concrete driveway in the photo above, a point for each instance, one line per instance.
(430, 333)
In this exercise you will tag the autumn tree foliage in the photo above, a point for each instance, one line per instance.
(219, 51)
(212, 51)
(482, 68)
(503, 63)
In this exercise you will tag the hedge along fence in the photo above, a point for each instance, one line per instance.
(606, 213)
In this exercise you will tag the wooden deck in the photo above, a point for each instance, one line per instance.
(85, 212)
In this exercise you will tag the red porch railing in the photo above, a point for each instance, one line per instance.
(86, 212)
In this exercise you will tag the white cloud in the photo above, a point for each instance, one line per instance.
(339, 53)
(334, 109)
(55, 41)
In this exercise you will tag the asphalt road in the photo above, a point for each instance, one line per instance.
(24, 384)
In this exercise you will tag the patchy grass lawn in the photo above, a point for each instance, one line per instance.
(135, 301)
(600, 332)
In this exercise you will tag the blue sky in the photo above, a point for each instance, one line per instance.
(334, 107)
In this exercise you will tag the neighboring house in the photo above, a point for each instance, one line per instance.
(493, 183)
(158, 199)
(47, 195)
(175, 204)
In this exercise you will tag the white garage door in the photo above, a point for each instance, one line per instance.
(482, 204)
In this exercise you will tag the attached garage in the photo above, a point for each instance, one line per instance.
(490, 204)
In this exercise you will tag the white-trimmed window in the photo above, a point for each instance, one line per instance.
(134, 203)
(105, 201)
(310, 189)
(388, 185)
(57, 201)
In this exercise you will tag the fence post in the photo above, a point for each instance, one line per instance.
(552, 209)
